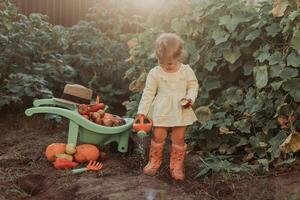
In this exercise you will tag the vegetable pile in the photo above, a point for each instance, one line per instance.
(95, 113)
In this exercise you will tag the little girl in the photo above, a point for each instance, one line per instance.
(167, 86)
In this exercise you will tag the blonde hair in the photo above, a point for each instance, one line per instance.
(170, 45)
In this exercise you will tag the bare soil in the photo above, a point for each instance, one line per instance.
(25, 173)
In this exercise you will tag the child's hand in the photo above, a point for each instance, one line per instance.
(186, 103)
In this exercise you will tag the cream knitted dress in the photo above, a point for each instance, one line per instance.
(162, 94)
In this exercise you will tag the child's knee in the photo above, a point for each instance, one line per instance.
(178, 140)
(160, 134)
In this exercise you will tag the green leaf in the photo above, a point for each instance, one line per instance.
(293, 15)
(265, 163)
(203, 172)
(254, 141)
(210, 66)
(276, 85)
(232, 21)
(277, 139)
(261, 76)
(293, 60)
(248, 69)
(203, 114)
(232, 55)
(211, 83)
(276, 58)
(194, 52)
(243, 125)
(253, 35)
(293, 87)
(233, 95)
(243, 142)
(273, 29)
(220, 36)
(275, 70)
(262, 53)
(295, 42)
(288, 73)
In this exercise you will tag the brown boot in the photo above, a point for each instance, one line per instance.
(177, 162)
(155, 158)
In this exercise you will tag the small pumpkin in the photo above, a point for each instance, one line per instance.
(86, 152)
(53, 149)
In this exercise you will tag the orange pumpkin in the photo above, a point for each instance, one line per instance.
(86, 152)
(53, 149)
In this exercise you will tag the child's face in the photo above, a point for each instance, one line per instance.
(169, 64)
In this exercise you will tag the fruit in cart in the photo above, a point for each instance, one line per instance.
(70, 149)
(102, 106)
(95, 115)
(108, 122)
(53, 149)
(83, 109)
(66, 156)
(101, 113)
(99, 121)
(86, 152)
(119, 121)
(96, 107)
(109, 116)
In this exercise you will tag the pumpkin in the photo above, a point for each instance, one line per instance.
(86, 152)
(53, 149)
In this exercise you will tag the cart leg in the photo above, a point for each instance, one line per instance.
(73, 133)
(123, 141)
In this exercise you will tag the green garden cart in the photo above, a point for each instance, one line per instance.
(81, 128)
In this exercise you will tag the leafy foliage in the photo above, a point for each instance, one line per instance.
(246, 58)
(31, 64)
(37, 58)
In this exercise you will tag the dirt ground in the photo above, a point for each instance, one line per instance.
(26, 174)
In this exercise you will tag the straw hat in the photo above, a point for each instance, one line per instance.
(75, 94)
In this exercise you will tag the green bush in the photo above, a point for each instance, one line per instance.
(247, 61)
(37, 59)
(31, 62)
